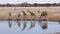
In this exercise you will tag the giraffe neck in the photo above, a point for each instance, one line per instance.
(24, 13)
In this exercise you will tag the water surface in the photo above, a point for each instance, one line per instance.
(18, 28)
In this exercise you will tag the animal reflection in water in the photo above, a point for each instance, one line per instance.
(10, 20)
(24, 25)
(32, 23)
(43, 23)
(59, 22)
(18, 20)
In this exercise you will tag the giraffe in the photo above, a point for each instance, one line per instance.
(43, 14)
(32, 24)
(24, 15)
(9, 20)
(44, 23)
(18, 20)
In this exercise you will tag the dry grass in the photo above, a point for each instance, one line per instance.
(52, 11)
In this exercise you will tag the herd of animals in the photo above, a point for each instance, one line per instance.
(43, 14)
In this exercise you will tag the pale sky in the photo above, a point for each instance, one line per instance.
(29, 1)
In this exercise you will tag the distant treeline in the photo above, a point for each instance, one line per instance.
(25, 4)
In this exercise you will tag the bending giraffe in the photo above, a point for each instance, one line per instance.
(45, 15)
(43, 23)
(32, 24)
(24, 25)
